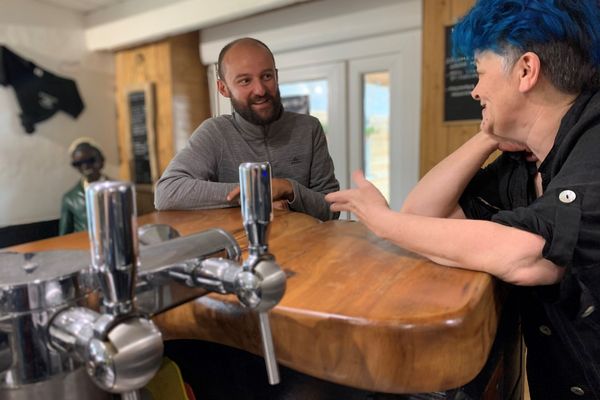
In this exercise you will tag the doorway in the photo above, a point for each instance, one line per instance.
(369, 109)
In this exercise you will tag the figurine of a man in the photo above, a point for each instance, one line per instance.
(88, 159)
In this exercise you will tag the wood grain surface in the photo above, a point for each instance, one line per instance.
(357, 311)
(439, 138)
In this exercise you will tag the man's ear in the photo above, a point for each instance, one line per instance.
(222, 88)
(529, 69)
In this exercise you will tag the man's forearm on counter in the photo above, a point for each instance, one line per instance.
(188, 193)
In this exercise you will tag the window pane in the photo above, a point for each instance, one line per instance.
(376, 130)
(296, 95)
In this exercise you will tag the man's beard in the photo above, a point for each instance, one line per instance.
(246, 111)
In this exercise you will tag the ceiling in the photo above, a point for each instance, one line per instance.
(113, 24)
(83, 6)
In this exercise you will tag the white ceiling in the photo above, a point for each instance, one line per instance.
(83, 6)
(114, 24)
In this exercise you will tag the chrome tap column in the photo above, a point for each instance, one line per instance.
(259, 284)
(121, 350)
(264, 285)
(256, 205)
(113, 239)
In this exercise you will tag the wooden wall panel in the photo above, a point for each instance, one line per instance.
(190, 100)
(181, 100)
(434, 137)
(137, 66)
(438, 139)
(181, 91)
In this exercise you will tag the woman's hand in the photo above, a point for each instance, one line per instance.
(365, 201)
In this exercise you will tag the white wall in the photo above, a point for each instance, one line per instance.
(317, 23)
(35, 169)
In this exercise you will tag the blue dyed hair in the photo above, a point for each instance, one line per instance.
(565, 34)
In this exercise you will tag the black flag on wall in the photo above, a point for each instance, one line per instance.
(40, 93)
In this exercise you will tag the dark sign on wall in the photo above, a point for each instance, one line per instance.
(141, 135)
(460, 78)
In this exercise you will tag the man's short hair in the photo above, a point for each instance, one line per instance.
(565, 34)
(228, 46)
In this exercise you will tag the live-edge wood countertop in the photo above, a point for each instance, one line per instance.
(357, 311)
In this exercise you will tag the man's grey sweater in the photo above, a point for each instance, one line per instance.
(206, 170)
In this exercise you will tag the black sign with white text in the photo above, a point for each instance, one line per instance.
(460, 77)
(139, 137)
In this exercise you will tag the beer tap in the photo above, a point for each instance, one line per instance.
(43, 309)
(260, 283)
(120, 349)
(257, 213)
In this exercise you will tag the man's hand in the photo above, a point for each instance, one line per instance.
(281, 192)
(234, 194)
(282, 189)
(281, 205)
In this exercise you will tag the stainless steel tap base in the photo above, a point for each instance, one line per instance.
(33, 287)
(128, 358)
(119, 355)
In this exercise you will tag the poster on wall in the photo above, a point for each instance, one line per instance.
(141, 137)
(460, 77)
(298, 104)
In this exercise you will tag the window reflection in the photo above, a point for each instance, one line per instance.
(310, 96)
(376, 130)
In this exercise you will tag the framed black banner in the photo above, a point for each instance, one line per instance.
(141, 134)
(460, 77)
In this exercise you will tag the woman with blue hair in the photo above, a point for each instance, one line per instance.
(532, 217)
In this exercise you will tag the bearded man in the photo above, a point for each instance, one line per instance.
(205, 173)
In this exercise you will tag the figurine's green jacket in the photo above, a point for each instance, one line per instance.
(73, 216)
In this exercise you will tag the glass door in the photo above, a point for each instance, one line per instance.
(369, 110)
(383, 126)
(320, 90)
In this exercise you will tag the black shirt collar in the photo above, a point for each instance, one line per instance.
(571, 127)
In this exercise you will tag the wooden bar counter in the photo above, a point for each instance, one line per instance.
(357, 311)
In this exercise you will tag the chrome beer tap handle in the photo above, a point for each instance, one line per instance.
(257, 206)
(262, 283)
(113, 239)
(114, 250)
(122, 351)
